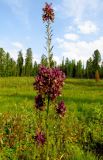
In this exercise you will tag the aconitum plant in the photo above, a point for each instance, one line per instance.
(48, 83)
(40, 137)
(61, 109)
(39, 102)
(48, 13)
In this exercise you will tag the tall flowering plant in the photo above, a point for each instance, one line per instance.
(48, 83)
(48, 18)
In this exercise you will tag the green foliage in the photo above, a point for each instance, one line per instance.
(79, 73)
(97, 77)
(20, 64)
(28, 62)
(96, 60)
(44, 60)
(93, 64)
(35, 69)
(2, 60)
(89, 68)
(78, 136)
(9, 67)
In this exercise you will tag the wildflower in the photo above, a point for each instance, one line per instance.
(49, 81)
(39, 102)
(61, 109)
(48, 13)
(40, 137)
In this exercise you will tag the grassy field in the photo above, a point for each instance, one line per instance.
(83, 124)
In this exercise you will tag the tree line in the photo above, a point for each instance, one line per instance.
(26, 67)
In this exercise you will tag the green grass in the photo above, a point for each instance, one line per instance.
(16, 92)
(84, 117)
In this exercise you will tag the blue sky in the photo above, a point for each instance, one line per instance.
(77, 29)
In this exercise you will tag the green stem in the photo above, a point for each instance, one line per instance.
(49, 51)
(47, 136)
(48, 42)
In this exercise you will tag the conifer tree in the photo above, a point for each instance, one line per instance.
(20, 64)
(97, 77)
(2, 60)
(28, 62)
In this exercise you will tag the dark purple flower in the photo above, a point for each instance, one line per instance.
(49, 81)
(39, 102)
(61, 109)
(40, 137)
(48, 12)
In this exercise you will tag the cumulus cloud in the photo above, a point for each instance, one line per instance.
(87, 27)
(71, 36)
(81, 14)
(77, 8)
(81, 49)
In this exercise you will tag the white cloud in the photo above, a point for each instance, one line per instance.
(17, 45)
(13, 48)
(71, 36)
(77, 8)
(81, 49)
(87, 27)
(59, 40)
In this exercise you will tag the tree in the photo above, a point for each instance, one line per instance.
(79, 69)
(7, 64)
(101, 70)
(2, 61)
(20, 64)
(12, 67)
(35, 69)
(44, 60)
(51, 60)
(97, 77)
(67, 67)
(28, 62)
(96, 60)
(83, 72)
(89, 68)
(62, 67)
(73, 68)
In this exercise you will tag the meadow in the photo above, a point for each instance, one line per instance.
(80, 133)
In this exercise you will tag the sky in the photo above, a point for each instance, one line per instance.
(77, 29)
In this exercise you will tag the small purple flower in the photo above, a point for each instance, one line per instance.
(40, 137)
(61, 109)
(39, 102)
